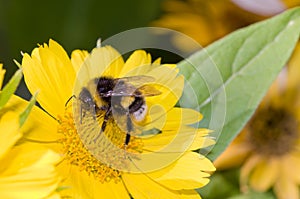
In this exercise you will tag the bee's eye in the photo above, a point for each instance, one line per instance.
(101, 89)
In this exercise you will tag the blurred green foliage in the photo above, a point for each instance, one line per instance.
(73, 23)
(224, 184)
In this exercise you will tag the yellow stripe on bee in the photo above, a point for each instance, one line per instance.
(126, 101)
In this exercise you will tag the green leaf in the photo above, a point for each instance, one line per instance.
(226, 183)
(227, 80)
(10, 88)
(256, 195)
(24, 115)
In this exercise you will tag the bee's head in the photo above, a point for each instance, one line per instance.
(104, 84)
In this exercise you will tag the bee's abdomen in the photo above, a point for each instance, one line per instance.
(138, 108)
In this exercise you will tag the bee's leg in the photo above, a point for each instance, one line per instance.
(82, 113)
(105, 120)
(81, 116)
(129, 129)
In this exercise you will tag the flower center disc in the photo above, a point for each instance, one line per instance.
(273, 131)
(112, 156)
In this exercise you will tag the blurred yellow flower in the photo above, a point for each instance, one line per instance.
(49, 70)
(26, 171)
(204, 21)
(291, 3)
(268, 147)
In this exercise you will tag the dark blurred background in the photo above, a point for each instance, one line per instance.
(74, 24)
(78, 24)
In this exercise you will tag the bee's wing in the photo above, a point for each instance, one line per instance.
(134, 86)
(148, 90)
(136, 81)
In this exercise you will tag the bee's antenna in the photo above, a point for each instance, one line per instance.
(49, 113)
(98, 43)
(73, 96)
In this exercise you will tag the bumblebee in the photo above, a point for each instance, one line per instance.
(109, 97)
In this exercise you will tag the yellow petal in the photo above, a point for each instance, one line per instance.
(54, 195)
(28, 172)
(285, 188)
(104, 61)
(181, 115)
(77, 58)
(80, 185)
(189, 194)
(172, 141)
(135, 62)
(39, 125)
(171, 120)
(188, 172)
(141, 186)
(200, 141)
(246, 169)
(265, 175)
(169, 83)
(233, 156)
(291, 165)
(10, 134)
(158, 61)
(176, 136)
(2, 73)
(49, 71)
(59, 51)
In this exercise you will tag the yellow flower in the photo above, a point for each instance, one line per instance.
(26, 171)
(291, 3)
(268, 147)
(204, 21)
(154, 165)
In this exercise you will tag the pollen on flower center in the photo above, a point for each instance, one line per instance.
(77, 154)
(273, 131)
